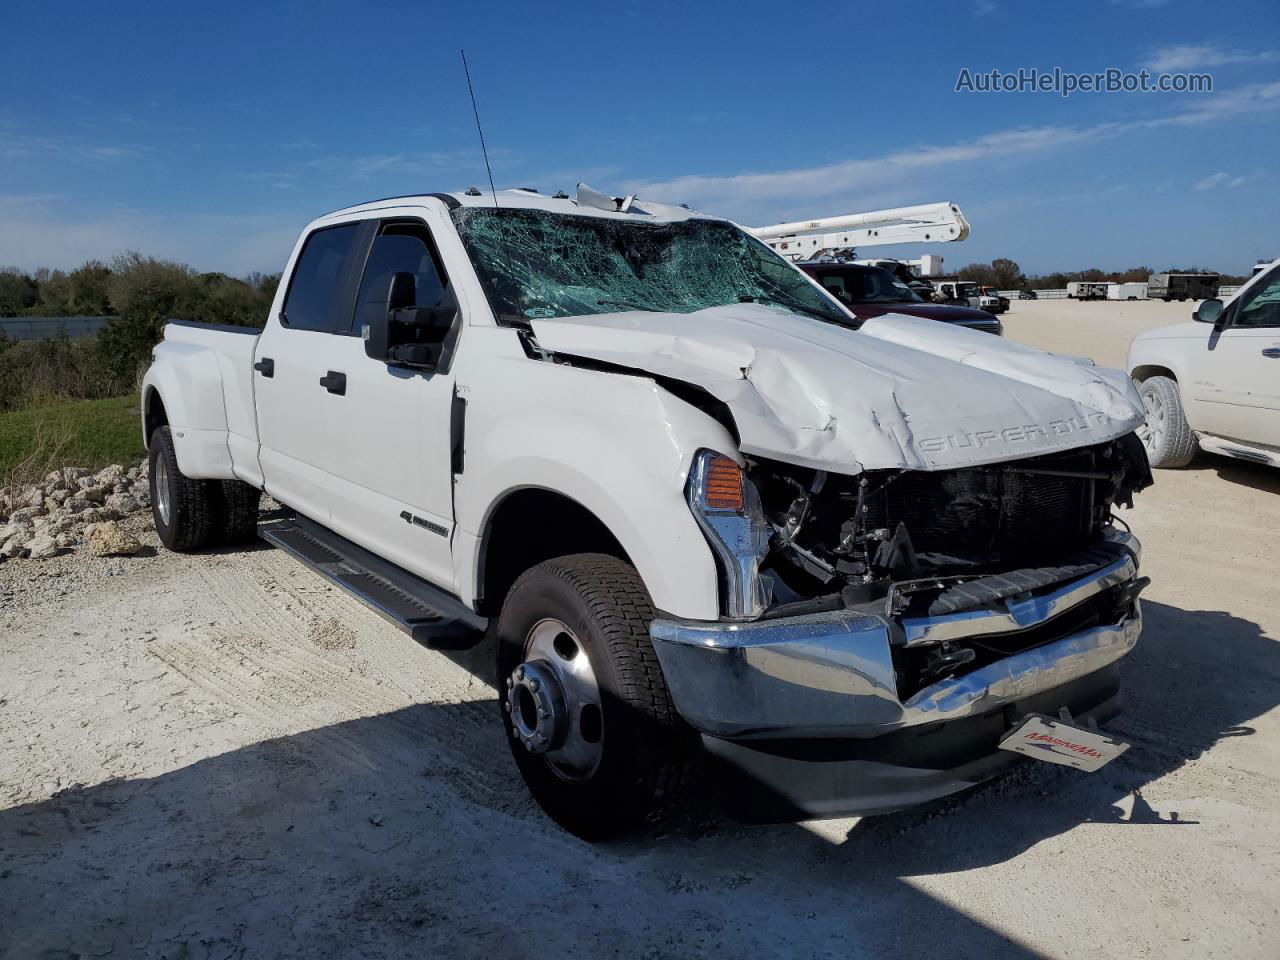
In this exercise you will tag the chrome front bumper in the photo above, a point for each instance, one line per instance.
(832, 674)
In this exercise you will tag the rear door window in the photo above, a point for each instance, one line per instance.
(399, 247)
(319, 289)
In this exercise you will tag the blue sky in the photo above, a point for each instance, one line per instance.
(211, 133)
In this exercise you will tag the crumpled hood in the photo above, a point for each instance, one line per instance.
(900, 392)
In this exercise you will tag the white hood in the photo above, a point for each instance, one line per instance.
(901, 392)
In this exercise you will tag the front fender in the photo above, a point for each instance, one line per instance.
(619, 445)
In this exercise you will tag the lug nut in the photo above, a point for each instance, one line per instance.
(506, 705)
(542, 713)
(520, 672)
(535, 684)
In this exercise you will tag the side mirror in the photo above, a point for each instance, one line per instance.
(401, 292)
(1210, 311)
(407, 335)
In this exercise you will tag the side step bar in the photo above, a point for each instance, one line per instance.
(429, 615)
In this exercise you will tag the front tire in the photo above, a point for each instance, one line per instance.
(1167, 436)
(590, 720)
(184, 509)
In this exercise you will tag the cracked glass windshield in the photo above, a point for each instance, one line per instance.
(534, 264)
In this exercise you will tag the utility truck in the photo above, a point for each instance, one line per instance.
(698, 507)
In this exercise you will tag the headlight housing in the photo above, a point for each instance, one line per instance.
(727, 507)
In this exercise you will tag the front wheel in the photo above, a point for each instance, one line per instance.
(591, 723)
(1167, 436)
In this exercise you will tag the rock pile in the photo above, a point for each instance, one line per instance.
(43, 519)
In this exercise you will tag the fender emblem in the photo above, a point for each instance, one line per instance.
(408, 517)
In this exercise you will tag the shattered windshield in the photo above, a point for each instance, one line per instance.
(534, 264)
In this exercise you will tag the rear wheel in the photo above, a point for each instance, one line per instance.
(237, 512)
(1166, 434)
(591, 723)
(184, 509)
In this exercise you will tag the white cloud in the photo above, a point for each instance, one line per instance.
(1256, 98)
(1221, 179)
(1192, 56)
(23, 147)
(729, 192)
(35, 235)
(983, 8)
(752, 196)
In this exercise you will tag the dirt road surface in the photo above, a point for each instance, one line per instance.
(222, 756)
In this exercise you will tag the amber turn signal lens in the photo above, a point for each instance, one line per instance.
(722, 485)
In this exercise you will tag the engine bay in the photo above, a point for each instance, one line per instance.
(913, 543)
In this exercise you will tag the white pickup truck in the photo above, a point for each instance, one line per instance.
(1215, 384)
(703, 512)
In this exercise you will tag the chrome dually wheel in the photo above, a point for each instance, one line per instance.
(554, 701)
(591, 723)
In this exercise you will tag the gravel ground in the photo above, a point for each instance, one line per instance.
(222, 756)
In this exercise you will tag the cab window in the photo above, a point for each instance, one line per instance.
(315, 296)
(399, 247)
(1262, 309)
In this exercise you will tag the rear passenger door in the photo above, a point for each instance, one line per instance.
(293, 352)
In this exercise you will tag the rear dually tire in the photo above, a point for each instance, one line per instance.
(184, 509)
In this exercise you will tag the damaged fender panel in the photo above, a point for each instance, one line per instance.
(900, 392)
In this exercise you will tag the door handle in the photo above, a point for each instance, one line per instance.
(1272, 352)
(266, 366)
(335, 382)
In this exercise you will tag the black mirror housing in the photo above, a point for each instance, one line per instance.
(1209, 311)
(409, 335)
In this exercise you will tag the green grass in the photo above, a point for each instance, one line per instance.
(80, 433)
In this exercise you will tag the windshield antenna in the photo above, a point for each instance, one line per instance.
(479, 129)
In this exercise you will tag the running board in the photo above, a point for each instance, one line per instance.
(429, 615)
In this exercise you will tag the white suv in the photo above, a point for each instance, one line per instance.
(1214, 384)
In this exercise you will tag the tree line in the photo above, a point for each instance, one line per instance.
(1004, 274)
(139, 293)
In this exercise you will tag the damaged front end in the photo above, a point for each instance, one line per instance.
(915, 544)
(864, 610)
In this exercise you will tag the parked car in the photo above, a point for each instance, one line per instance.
(998, 304)
(1027, 295)
(1214, 384)
(697, 506)
(873, 292)
(956, 293)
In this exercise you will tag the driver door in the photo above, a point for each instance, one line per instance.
(1237, 378)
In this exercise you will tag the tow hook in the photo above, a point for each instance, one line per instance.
(536, 704)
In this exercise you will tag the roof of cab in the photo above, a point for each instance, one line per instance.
(528, 199)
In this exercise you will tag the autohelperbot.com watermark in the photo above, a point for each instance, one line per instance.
(1065, 82)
